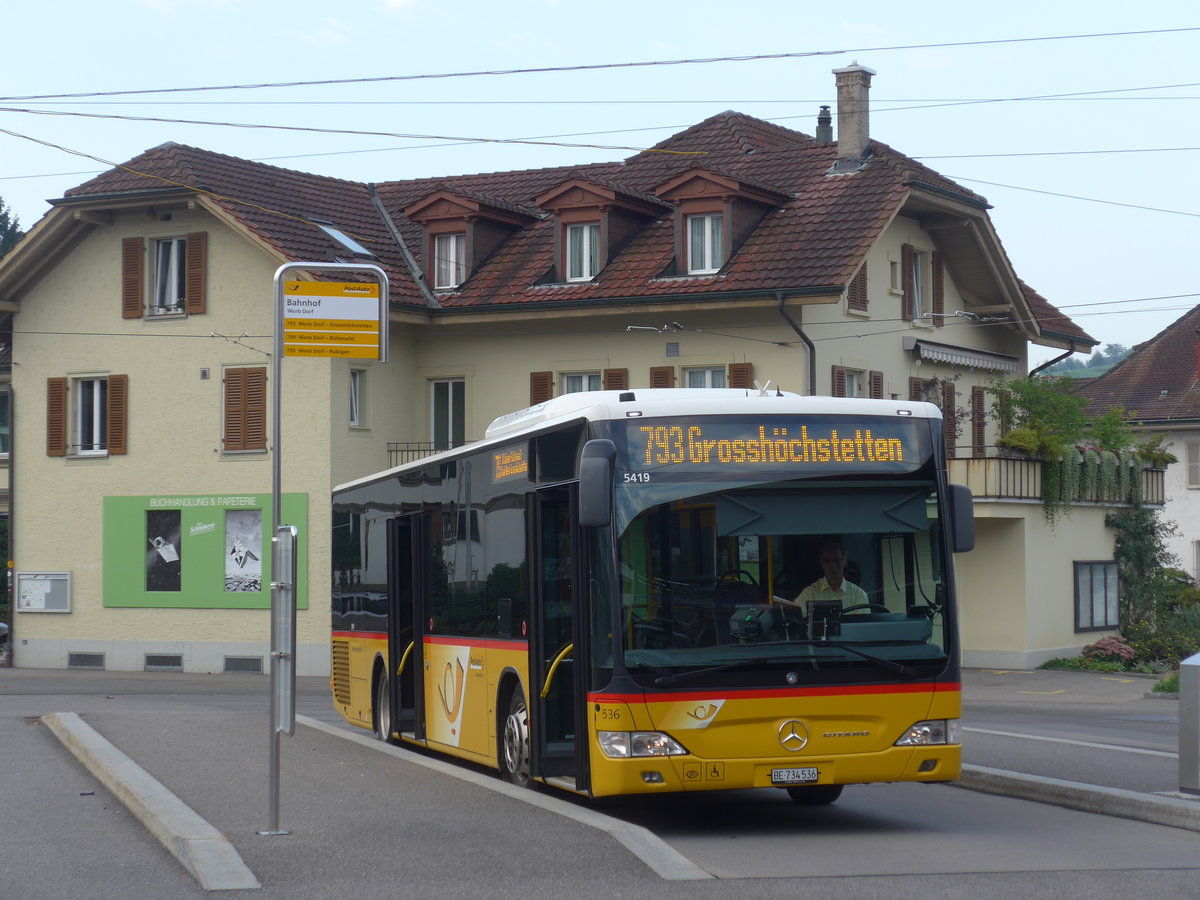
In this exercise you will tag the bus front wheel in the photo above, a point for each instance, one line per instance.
(815, 794)
(514, 749)
(383, 708)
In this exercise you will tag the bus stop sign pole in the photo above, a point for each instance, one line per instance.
(329, 321)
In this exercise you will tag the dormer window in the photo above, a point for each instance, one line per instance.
(583, 251)
(449, 260)
(461, 230)
(706, 243)
(715, 213)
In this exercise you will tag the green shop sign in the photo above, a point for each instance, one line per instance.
(197, 551)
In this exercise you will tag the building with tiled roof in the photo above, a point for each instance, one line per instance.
(734, 253)
(1158, 384)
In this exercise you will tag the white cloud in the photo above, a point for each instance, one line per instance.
(330, 32)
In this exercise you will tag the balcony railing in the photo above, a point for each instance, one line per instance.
(401, 452)
(999, 478)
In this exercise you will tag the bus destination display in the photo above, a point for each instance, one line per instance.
(859, 446)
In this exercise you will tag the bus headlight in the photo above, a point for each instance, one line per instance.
(639, 743)
(934, 731)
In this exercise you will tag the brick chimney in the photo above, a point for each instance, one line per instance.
(853, 113)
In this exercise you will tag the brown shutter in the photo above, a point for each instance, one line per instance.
(939, 295)
(949, 419)
(245, 409)
(838, 380)
(118, 414)
(662, 376)
(196, 277)
(876, 381)
(906, 280)
(56, 417)
(133, 277)
(541, 387)
(856, 294)
(978, 414)
(615, 379)
(741, 375)
(916, 388)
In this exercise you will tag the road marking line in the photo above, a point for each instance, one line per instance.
(1041, 692)
(1117, 680)
(1051, 740)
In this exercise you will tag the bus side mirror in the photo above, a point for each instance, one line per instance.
(596, 483)
(962, 514)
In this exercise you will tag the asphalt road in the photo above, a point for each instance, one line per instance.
(384, 821)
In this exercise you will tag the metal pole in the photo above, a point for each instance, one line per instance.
(283, 539)
(1189, 725)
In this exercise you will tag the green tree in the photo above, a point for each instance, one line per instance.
(10, 228)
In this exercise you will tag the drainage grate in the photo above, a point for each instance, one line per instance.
(85, 660)
(244, 664)
(163, 662)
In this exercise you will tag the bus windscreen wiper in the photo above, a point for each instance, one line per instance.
(664, 680)
(892, 665)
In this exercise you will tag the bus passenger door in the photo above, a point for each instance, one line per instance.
(557, 643)
(405, 650)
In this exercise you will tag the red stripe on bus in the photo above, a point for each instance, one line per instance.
(485, 644)
(651, 696)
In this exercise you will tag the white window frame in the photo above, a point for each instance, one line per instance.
(449, 260)
(358, 390)
(1193, 465)
(574, 382)
(582, 252)
(170, 276)
(447, 412)
(706, 243)
(857, 384)
(5, 420)
(921, 260)
(704, 377)
(89, 415)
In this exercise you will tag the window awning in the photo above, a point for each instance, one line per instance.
(962, 356)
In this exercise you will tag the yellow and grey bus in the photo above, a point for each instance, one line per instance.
(606, 594)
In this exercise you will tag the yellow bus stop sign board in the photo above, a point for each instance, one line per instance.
(331, 319)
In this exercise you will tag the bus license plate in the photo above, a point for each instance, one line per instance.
(806, 775)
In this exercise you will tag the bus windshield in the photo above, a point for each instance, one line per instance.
(739, 567)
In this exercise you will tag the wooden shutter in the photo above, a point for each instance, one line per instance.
(118, 414)
(741, 375)
(56, 416)
(541, 387)
(876, 384)
(245, 409)
(907, 284)
(662, 376)
(615, 379)
(916, 388)
(939, 287)
(838, 380)
(978, 414)
(856, 294)
(949, 419)
(196, 277)
(133, 277)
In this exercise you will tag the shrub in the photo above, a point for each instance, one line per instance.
(1114, 649)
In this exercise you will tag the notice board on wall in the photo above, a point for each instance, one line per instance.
(43, 592)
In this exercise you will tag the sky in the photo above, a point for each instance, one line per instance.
(1078, 121)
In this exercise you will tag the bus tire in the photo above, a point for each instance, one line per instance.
(815, 794)
(383, 707)
(514, 741)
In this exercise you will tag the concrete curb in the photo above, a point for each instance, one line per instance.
(199, 847)
(1152, 808)
(663, 859)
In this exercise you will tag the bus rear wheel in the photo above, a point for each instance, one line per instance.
(383, 708)
(514, 742)
(815, 794)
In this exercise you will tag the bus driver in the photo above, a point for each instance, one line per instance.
(832, 587)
